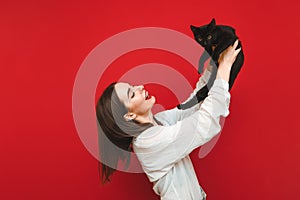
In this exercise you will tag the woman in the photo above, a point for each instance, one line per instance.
(162, 142)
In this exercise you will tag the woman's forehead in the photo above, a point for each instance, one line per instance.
(122, 90)
(122, 86)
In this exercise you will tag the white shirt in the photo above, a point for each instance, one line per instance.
(163, 151)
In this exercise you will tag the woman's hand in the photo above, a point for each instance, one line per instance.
(226, 60)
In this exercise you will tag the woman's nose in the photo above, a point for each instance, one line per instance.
(140, 88)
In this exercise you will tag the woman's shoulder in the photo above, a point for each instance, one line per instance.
(150, 137)
(148, 133)
(167, 117)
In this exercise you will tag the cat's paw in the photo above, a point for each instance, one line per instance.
(215, 57)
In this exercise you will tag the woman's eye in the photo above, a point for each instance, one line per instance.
(132, 95)
(209, 37)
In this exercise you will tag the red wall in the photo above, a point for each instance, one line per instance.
(43, 44)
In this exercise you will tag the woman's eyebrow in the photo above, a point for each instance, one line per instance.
(130, 86)
(128, 92)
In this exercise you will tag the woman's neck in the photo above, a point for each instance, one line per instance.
(148, 118)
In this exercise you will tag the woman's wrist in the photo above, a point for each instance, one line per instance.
(224, 71)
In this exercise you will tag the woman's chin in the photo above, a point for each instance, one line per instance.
(152, 100)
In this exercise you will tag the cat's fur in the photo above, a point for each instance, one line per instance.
(220, 37)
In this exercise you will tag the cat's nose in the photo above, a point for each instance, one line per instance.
(205, 42)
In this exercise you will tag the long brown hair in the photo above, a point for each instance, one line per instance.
(115, 134)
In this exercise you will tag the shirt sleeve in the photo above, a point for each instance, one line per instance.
(162, 146)
(173, 115)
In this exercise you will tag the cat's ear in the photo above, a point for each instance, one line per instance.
(193, 28)
(212, 23)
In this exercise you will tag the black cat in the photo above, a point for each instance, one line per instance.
(219, 37)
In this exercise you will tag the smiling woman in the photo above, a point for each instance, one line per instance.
(138, 102)
(162, 142)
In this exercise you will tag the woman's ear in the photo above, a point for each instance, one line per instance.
(129, 116)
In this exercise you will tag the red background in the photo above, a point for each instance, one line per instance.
(43, 44)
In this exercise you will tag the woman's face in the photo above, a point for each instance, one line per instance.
(135, 98)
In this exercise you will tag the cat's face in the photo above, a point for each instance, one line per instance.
(205, 35)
